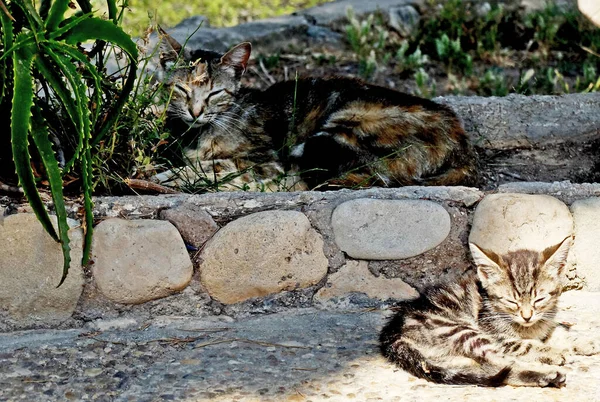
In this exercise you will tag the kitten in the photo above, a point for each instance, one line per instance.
(488, 329)
(336, 132)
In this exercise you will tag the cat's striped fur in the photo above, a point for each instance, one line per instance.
(330, 132)
(490, 328)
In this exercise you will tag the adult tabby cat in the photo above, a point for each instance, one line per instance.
(330, 132)
(488, 329)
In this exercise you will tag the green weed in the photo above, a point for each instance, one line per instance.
(368, 39)
(450, 52)
(493, 83)
(409, 62)
(426, 86)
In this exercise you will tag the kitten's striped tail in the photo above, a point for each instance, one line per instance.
(412, 361)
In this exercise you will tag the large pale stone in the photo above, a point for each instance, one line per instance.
(195, 225)
(389, 229)
(591, 9)
(261, 254)
(139, 260)
(586, 248)
(508, 222)
(355, 277)
(31, 265)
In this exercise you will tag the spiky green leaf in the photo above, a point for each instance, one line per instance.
(57, 14)
(20, 126)
(39, 132)
(95, 28)
(74, 53)
(112, 11)
(7, 43)
(81, 100)
(59, 88)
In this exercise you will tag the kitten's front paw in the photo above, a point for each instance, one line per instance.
(586, 347)
(540, 377)
(555, 378)
(553, 357)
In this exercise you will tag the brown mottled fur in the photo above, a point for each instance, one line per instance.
(330, 132)
(488, 329)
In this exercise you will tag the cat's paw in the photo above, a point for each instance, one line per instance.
(587, 347)
(553, 357)
(555, 378)
(540, 377)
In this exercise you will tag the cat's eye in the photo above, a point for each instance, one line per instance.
(511, 302)
(539, 300)
(182, 90)
(215, 93)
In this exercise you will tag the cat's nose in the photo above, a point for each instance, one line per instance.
(526, 315)
(195, 112)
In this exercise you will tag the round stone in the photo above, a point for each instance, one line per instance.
(509, 222)
(260, 254)
(139, 260)
(585, 250)
(31, 265)
(389, 229)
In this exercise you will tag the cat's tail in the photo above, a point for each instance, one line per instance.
(412, 361)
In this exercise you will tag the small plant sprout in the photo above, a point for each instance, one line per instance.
(409, 62)
(451, 53)
(368, 39)
(426, 86)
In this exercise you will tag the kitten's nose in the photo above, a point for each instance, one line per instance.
(195, 112)
(526, 315)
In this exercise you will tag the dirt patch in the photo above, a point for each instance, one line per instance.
(578, 162)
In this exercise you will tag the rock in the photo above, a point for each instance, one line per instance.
(261, 254)
(517, 120)
(234, 204)
(139, 260)
(404, 19)
(508, 222)
(591, 9)
(31, 267)
(334, 13)
(389, 229)
(355, 277)
(192, 23)
(585, 250)
(565, 191)
(195, 225)
(268, 35)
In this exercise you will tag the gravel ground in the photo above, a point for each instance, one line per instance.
(300, 355)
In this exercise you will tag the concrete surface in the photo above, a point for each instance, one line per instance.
(301, 355)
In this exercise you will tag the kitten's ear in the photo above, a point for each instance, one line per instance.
(169, 49)
(555, 257)
(237, 58)
(486, 261)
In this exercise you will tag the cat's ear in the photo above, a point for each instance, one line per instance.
(236, 60)
(488, 270)
(170, 49)
(555, 257)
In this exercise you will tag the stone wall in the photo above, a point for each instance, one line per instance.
(234, 254)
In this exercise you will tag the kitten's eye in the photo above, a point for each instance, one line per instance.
(539, 300)
(511, 302)
(182, 90)
(215, 94)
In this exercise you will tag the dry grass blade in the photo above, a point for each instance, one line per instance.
(211, 343)
(260, 343)
(145, 185)
(206, 330)
(5, 10)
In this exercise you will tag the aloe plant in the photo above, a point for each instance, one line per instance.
(41, 47)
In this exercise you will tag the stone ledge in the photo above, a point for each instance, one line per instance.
(299, 258)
